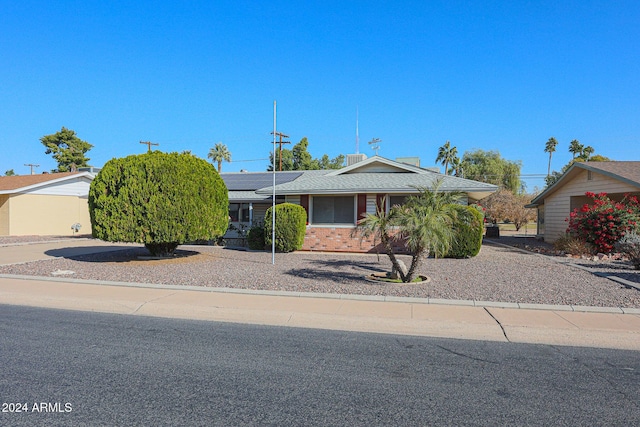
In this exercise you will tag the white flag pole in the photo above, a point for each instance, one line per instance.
(273, 206)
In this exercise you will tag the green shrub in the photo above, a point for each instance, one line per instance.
(630, 246)
(468, 226)
(255, 238)
(159, 199)
(291, 223)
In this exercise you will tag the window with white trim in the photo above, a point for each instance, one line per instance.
(333, 210)
(397, 200)
(239, 212)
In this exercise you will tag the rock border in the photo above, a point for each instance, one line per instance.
(375, 278)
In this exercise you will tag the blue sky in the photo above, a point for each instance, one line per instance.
(500, 76)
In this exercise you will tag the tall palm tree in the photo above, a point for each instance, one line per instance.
(446, 154)
(219, 153)
(587, 152)
(550, 148)
(575, 148)
(456, 167)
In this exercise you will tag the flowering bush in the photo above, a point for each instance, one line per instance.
(605, 221)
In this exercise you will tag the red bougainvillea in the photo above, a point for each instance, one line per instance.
(603, 222)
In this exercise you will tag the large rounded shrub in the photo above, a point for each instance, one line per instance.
(158, 199)
(291, 223)
(468, 228)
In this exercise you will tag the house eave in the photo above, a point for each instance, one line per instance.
(29, 188)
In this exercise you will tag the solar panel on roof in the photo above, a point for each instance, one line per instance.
(255, 181)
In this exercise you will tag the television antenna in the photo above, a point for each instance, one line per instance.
(375, 144)
(357, 136)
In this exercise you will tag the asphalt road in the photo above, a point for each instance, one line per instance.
(76, 368)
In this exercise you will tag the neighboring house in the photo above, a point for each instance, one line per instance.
(557, 201)
(336, 199)
(46, 204)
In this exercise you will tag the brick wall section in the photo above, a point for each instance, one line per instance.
(332, 239)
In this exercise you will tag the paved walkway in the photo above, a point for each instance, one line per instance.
(559, 325)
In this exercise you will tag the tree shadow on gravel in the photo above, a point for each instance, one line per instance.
(101, 254)
(336, 270)
(333, 276)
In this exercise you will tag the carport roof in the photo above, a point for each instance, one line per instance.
(16, 183)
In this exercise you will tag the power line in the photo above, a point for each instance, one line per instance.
(248, 160)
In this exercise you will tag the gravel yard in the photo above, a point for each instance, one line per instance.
(498, 273)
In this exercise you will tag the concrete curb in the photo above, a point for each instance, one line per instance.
(350, 297)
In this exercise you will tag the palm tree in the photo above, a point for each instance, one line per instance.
(587, 152)
(379, 227)
(446, 154)
(218, 154)
(456, 167)
(550, 148)
(575, 148)
(424, 222)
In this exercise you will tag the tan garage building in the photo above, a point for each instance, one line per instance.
(46, 204)
(556, 202)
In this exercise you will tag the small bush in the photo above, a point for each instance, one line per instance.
(573, 245)
(629, 245)
(255, 238)
(291, 223)
(469, 227)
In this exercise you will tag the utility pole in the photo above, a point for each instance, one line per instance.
(149, 144)
(31, 165)
(281, 135)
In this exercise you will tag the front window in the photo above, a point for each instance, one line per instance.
(397, 200)
(333, 210)
(239, 212)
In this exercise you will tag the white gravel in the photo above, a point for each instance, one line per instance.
(498, 273)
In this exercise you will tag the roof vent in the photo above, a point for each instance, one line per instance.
(355, 158)
(413, 161)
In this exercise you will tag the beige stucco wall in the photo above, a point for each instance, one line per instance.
(557, 206)
(4, 214)
(47, 215)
